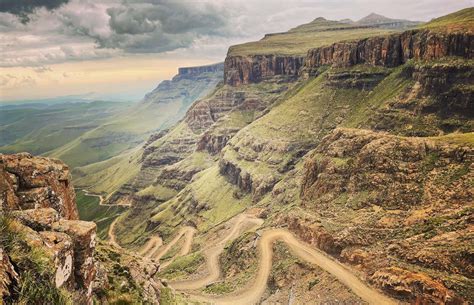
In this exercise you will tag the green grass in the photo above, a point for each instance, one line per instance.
(41, 129)
(108, 176)
(460, 20)
(90, 210)
(35, 268)
(183, 266)
(299, 40)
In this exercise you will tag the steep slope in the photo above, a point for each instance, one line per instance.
(364, 153)
(160, 109)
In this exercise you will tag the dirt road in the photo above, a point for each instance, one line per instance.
(111, 234)
(239, 224)
(159, 251)
(253, 293)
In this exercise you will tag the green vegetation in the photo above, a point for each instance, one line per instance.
(35, 268)
(460, 20)
(167, 297)
(183, 266)
(90, 210)
(108, 176)
(122, 288)
(219, 288)
(299, 40)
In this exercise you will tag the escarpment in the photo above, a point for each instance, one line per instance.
(192, 71)
(253, 69)
(38, 212)
(391, 51)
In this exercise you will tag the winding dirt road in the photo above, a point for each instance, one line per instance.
(253, 293)
(151, 246)
(212, 253)
(158, 251)
(102, 199)
(111, 234)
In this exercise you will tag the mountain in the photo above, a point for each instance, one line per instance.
(48, 255)
(374, 19)
(352, 146)
(159, 109)
(331, 163)
(82, 133)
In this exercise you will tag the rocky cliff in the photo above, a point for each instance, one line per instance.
(253, 69)
(192, 71)
(392, 50)
(46, 241)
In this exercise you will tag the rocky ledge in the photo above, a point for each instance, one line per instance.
(240, 70)
(37, 198)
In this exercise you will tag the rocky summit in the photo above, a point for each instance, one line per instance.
(329, 164)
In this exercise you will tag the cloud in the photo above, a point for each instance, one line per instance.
(72, 30)
(161, 25)
(22, 8)
(9, 80)
(42, 69)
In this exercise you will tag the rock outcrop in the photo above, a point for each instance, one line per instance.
(240, 70)
(391, 51)
(28, 183)
(38, 196)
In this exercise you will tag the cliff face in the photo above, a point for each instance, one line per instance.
(29, 183)
(240, 70)
(193, 71)
(38, 194)
(392, 50)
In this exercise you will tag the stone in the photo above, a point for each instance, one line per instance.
(38, 219)
(37, 183)
(8, 276)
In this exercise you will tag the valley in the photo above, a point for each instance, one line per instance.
(329, 164)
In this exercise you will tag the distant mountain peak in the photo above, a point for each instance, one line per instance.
(320, 19)
(374, 18)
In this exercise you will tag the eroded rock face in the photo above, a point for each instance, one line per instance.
(240, 70)
(391, 51)
(30, 182)
(41, 200)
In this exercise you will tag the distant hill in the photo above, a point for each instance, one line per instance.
(374, 19)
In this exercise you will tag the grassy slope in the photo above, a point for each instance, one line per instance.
(462, 20)
(299, 40)
(90, 210)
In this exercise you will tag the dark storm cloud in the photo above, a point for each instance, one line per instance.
(159, 26)
(22, 8)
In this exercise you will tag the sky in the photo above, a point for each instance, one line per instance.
(121, 49)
